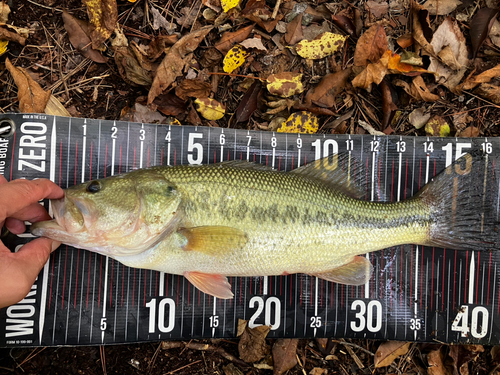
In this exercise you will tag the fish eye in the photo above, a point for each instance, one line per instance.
(93, 186)
(170, 190)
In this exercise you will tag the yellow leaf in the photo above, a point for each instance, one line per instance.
(3, 46)
(210, 109)
(234, 58)
(132, 1)
(300, 122)
(229, 4)
(324, 46)
(285, 84)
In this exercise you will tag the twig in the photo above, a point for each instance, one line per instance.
(484, 100)
(32, 355)
(103, 359)
(183, 367)
(236, 75)
(45, 6)
(276, 8)
(153, 360)
(354, 346)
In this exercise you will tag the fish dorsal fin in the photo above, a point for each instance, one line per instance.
(213, 240)
(213, 284)
(356, 272)
(340, 171)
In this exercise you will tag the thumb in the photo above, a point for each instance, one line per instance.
(33, 256)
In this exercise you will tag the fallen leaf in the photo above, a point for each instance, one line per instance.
(371, 46)
(55, 108)
(370, 129)
(441, 7)
(389, 100)
(345, 24)
(195, 88)
(325, 93)
(435, 359)
(300, 122)
(189, 15)
(32, 98)
(388, 63)
(103, 16)
(170, 105)
(489, 92)
(234, 58)
(252, 345)
(494, 33)
(377, 9)
(210, 58)
(463, 354)
(470, 132)
(285, 84)
(437, 127)
(192, 118)
(411, 58)
(78, 33)
(174, 61)
(130, 69)
(484, 77)
(242, 324)
(210, 109)
(448, 43)
(325, 45)
(231, 369)
(405, 41)
(3, 46)
(143, 114)
(4, 12)
(255, 43)
(257, 11)
(229, 4)
(461, 120)
(420, 90)
(160, 21)
(294, 32)
(229, 39)
(388, 351)
(213, 4)
(318, 371)
(422, 32)
(284, 355)
(14, 37)
(480, 26)
(418, 118)
(249, 102)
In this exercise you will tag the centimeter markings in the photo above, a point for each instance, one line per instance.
(416, 293)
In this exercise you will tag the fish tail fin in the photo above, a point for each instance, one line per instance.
(464, 205)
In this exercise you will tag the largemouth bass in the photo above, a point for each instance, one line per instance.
(241, 219)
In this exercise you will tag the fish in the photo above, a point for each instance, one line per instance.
(236, 218)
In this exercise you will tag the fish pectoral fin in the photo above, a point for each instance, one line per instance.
(213, 240)
(213, 284)
(356, 272)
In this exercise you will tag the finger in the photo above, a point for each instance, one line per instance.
(3, 180)
(33, 213)
(15, 226)
(19, 194)
(33, 256)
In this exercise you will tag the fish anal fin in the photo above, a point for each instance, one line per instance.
(213, 240)
(213, 284)
(356, 272)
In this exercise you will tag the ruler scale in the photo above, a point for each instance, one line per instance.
(416, 293)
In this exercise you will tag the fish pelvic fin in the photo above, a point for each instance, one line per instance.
(213, 240)
(356, 272)
(215, 285)
(463, 202)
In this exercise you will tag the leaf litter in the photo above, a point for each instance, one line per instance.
(428, 69)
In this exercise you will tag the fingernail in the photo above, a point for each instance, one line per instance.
(55, 245)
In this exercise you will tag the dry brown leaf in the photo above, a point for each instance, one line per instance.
(170, 105)
(130, 68)
(78, 33)
(249, 102)
(419, 90)
(480, 26)
(157, 47)
(318, 371)
(284, 355)
(4, 12)
(255, 43)
(405, 41)
(345, 24)
(252, 346)
(388, 351)
(195, 88)
(441, 7)
(325, 93)
(373, 73)
(229, 39)
(418, 118)
(294, 32)
(14, 37)
(103, 16)
(463, 354)
(174, 61)
(470, 132)
(211, 57)
(257, 11)
(371, 46)
(389, 100)
(32, 98)
(377, 8)
(451, 62)
(436, 363)
(489, 92)
(484, 77)
(422, 33)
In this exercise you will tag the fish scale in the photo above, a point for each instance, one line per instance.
(417, 293)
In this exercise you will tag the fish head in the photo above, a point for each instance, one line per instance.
(116, 216)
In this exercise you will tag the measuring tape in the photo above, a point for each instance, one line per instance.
(81, 298)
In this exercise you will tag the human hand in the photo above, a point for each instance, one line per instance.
(19, 203)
